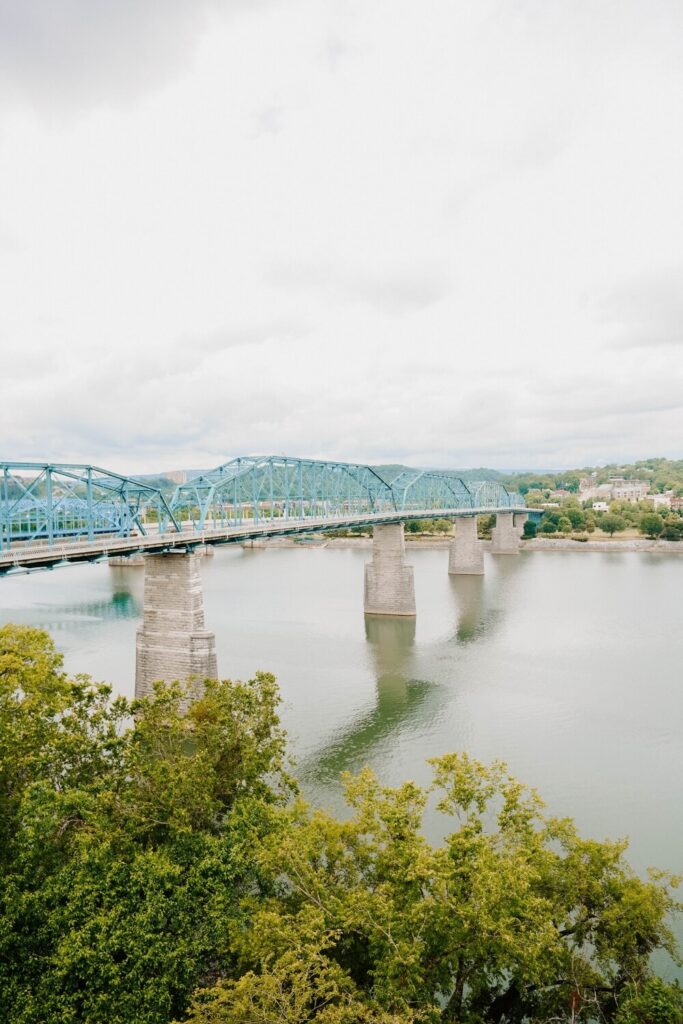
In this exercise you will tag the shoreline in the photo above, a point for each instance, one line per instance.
(636, 544)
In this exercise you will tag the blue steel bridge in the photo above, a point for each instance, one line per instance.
(53, 515)
(58, 514)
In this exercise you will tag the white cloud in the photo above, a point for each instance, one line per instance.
(342, 229)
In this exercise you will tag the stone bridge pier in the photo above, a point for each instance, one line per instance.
(505, 534)
(172, 642)
(520, 520)
(465, 553)
(389, 583)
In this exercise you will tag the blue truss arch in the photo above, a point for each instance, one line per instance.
(491, 494)
(430, 489)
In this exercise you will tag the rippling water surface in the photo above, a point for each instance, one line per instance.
(567, 665)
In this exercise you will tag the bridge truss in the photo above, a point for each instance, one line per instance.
(277, 487)
(43, 503)
(45, 506)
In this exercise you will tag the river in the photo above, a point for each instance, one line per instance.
(567, 665)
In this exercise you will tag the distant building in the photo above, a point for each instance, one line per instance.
(661, 500)
(559, 494)
(677, 504)
(617, 488)
(587, 486)
(600, 506)
(177, 476)
(628, 490)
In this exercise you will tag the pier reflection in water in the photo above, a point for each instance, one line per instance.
(469, 593)
(400, 699)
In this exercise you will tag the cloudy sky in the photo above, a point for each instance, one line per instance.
(445, 233)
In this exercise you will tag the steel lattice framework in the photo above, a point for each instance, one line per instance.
(44, 502)
(52, 514)
(272, 487)
(278, 487)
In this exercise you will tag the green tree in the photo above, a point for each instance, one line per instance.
(529, 529)
(575, 514)
(653, 1002)
(514, 918)
(611, 523)
(125, 849)
(564, 524)
(485, 525)
(673, 528)
(651, 523)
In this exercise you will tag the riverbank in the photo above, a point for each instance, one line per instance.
(642, 544)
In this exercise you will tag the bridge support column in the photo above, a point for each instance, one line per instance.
(505, 535)
(389, 584)
(172, 642)
(520, 520)
(465, 553)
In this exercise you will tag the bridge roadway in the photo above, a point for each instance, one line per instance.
(30, 557)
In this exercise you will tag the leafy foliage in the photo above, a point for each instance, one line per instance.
(125, 848)
(611, 523)
(515, 917)
(651, 523)
(156, 866)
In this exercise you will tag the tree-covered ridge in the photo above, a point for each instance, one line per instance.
(157, 866)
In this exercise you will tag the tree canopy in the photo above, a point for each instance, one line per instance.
(158, 866)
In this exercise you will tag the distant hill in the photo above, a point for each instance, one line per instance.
(390, 471)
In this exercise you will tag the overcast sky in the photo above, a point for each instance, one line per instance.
(445, 233)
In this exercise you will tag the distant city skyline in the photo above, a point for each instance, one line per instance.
(373, 231)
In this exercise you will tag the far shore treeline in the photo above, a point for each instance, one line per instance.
(662, 475)
(158, 864)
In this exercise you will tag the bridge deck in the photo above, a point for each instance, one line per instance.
(30, 557)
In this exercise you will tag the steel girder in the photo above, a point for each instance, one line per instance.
(46, 502)
(275, 486)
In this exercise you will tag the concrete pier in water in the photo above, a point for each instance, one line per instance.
(465, 552)
(505, 535)
(172, 642)
(520, 520)
(389, 584)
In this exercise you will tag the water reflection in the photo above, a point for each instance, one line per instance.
(401, 699)
(120, 604)
(469, 592)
